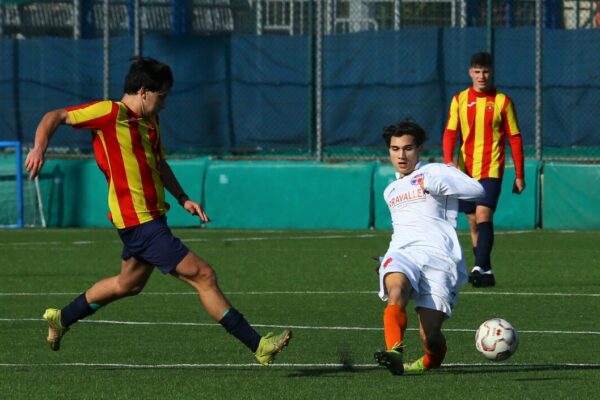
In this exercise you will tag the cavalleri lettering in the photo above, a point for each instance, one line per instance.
(406, 197)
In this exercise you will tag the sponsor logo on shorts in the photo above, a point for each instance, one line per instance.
(387, 262)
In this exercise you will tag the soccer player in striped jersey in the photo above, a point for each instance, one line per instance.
(485, 119)
(127, 142)
(424, 261)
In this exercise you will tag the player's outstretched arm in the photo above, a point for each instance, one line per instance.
(46, 128)
(449, 181)
(172, 185)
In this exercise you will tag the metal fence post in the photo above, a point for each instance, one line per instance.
(315, 79)
(76, 20)
(319, 82)
(538, 80)
(133, 9)
(310, 63)
(490, 27)
(106, 50)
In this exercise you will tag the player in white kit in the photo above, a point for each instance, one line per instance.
(424, 260)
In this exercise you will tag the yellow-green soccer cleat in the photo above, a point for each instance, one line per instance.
(55, 329)
(391, 359)
(415, 367)
(270, 345)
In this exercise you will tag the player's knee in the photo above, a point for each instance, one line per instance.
(135, 290)
(126, 290)
(484, 214)
(397, 295)
(205, 274)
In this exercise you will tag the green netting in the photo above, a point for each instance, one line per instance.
(289, 195)
(571, 196)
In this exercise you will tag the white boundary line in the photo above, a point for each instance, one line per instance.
(352, 235)
(311, 292)
(306, 327)
(222, 239)
(531, 294)
(294, 365)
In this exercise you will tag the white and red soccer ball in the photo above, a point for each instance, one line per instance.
(496, 339)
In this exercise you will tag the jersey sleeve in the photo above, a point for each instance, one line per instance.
(516, 149)
(451, 131)
(511, 125)
(445, 180)
(91, 115)
(515, 141)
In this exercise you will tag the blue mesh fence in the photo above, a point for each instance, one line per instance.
(281, 79)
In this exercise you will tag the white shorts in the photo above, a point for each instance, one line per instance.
(434, 276)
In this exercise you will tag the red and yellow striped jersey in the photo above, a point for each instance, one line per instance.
(485, 120)
(128, 150)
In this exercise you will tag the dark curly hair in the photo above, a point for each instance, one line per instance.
(148, 73)
(482, 59)
(405, 127)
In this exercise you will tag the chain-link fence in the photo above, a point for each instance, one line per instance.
(306, 79)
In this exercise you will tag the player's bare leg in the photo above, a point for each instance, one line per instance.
(472, 220)
(197, 273)
(130, 281)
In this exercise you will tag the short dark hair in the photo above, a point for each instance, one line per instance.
(148, 73)
(482, 59)
(406, 127)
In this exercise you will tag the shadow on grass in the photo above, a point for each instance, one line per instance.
(346, 365)
(332, 371)
(345, 368)
(500, 368)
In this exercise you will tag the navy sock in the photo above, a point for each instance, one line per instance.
(485, 241)
(475, 252)
(236, 325)
(76, 310)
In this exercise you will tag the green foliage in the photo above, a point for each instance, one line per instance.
(322, 284)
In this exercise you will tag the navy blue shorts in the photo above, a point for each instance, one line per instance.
(492, 187)
(153, 242)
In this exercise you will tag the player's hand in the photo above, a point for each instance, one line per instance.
(34, 162)
(518, 186)
(196, 209)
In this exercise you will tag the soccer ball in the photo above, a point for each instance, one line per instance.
(496, 339)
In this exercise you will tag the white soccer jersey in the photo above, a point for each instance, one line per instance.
(426, 215)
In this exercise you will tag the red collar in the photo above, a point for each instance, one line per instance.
(489, 93)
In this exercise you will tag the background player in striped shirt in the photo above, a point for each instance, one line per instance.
(128, 149)
(485, 119)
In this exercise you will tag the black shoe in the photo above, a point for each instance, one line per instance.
(475, 278)
(487, 280)
(391, 359)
